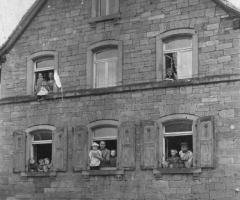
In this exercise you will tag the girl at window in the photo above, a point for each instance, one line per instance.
(95, 156)
(170, 75)
(41, 89)
(113, 158)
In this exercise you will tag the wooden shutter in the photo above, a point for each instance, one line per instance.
(148, 145)
(59, 153)
(206, 142)
(126, 146)
(79, 148)
(19, 151)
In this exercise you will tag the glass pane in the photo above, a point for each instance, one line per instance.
(45, 63)
(183, 42)
(112, 73)
(103, 6)
(107, 54)
(42, 136)
(184, 68)
(178, 127)
(113, 5)
(100, 74)
(105, 132)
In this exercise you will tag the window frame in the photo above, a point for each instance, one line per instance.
(95, 13)
(98, 124)
(160, 40)
(31, 68)
(30, 132)
(99, 46)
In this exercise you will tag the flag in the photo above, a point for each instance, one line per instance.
(57, 80)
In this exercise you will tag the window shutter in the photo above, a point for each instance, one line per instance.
(59, 153)
(206, 142)
(79, 148)
(19, 151)
(126, 146)
(148, 145)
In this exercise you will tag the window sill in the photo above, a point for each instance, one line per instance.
(194, 171)
(38, 174)
(104, 18)
(103, 172)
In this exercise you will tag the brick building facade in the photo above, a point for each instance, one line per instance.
(133, 108)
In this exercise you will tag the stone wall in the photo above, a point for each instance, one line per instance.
(62, 26)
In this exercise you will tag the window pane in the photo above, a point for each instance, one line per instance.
(113, 53)
(42, 136)
(112, 73)
(184, 42)
(103, 6)
(100, 74)
(113, 5)
(178, 127)
(184, 68)
(45, 63)
(42, 151)
(105, 132)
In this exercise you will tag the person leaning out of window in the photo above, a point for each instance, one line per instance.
(170, 75)
(105, 161)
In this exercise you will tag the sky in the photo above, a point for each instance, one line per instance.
(11, 11)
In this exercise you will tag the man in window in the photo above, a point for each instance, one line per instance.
(105, 155)
(186, 155)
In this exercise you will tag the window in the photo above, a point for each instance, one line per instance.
(103, 10)
(104, 64)
(177, 54)
(40, 142)
(105, 67)
(42, 64)
(169, 132)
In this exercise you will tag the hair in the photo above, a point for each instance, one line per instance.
(103, 141)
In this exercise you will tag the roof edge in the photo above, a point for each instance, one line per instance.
(227, 6)
(26, 19)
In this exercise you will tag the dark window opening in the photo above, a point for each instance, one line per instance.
(171, 65)
(174, 142)
(42, 151)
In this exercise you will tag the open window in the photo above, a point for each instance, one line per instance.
(169, 132)
(177, 55)
(40, 142)
(41, 66)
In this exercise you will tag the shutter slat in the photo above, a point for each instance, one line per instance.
(19, 151)
(126, 144)
(79, 148)
(60, 149)
(206, 142)
(149, 145)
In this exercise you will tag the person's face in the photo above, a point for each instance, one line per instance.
(169, 72)
(184, 148)
(41, 162)
(50, 76)
(113, 153)
(32, 161)
(46, 161)
(94, 147)
(102, 145)
(39, 75)
(173, 153)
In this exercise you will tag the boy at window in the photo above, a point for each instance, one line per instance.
(95, 156)
(105, 155)
(174, 159)
(113, 158)
(170, 75)
(185, 155)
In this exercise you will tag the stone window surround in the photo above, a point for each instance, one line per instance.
(99, 46)
(160, 69)
(105, 172)
(193, 170)
(29, 132)
(31, 60)
(96, 19)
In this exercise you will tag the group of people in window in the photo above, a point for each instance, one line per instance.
(44, 165)
(184, 160)
(102, 157)
(43, 86)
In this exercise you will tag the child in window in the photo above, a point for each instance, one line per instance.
(113, 158)
(170, 75)
(43, 91)
(185, 155)
(47, 165)
(41, 164)
(174, 159)
(50, 82)
(95, 156)
(32, 165)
